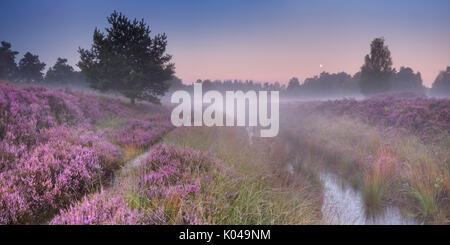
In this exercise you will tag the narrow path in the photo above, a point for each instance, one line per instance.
(126, 168)
(129, 166)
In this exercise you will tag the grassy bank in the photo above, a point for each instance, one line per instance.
(262, 191)
(389, 168)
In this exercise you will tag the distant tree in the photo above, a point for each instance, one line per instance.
(377, 70)
(326, 84)
(357, 76)
(407, 80)
(441, 85)
(61, 72)
(207, 84)
(128, 60)
(348, 84)
(30, 68)
(293, 84)
(8, 66)
(277, 86)
(175, 83)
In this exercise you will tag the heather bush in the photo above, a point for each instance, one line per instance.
(428, 118)
(167, 184)
(50, 153)
(22, 115)
(140, 133)
(172, 178)
(109, 155)
(52, 176)
(9, 153)
(13, 206)
(98, 209)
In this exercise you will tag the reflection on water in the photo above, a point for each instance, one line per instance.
(344, 205)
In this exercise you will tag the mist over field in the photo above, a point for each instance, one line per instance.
(360, 128)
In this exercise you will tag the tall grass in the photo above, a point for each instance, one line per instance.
(249, 188)
(388, 168)
(378, 178)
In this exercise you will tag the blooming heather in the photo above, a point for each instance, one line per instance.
(168, 175)
(428, 118)
(140, 133)
(50, 154)
(98, 209)
(173, 174)
(50, 177)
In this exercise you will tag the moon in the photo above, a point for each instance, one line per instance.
(321, 66)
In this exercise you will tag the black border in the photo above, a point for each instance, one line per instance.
(170, 234)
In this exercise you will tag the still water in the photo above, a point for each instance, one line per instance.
(344, 205)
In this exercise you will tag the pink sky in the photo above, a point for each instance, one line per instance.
(248, 59)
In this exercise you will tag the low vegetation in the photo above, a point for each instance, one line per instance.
(218, 182)
(51, 152)
(395, 150)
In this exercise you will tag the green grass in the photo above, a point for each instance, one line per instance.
(250, 185)
(248, 188)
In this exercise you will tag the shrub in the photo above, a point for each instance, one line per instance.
(50, 177)
(98, 209)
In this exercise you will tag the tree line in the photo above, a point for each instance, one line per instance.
(30, 68)
(127, 59)
(375, 76)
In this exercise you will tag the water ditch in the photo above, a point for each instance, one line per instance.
(342, 203)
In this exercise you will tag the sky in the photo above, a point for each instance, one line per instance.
(260, 40)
